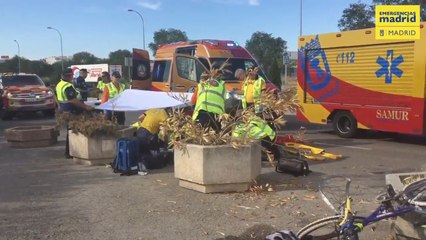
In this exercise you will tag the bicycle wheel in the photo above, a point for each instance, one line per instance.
(324, 228)
(415, 192)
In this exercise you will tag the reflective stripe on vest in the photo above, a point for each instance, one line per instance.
(113, 91)
(260, 130)
(257, 130)
(210, 99)
(239, 131)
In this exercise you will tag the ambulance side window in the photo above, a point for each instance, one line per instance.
(189, 68)
(161, 71)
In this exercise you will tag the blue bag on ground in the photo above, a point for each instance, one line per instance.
(127, 158)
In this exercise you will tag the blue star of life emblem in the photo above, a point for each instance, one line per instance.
(389, 66)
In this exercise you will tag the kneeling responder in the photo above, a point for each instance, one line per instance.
(258, 129)
(148, 128)
(150, 145)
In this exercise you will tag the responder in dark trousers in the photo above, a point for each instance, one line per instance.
(253, 87)
(112, 90)
(152, 147)
(148, 128)
(258, 129)
(80, 84)
(69, 100)
(209, 99)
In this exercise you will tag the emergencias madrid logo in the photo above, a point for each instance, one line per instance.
(398, 22)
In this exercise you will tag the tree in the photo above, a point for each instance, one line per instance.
(405, 2)
(84, 58)
(268, 51)
(117, 57)
(357, 16)
(360, 15)
(165, 36)
(275, 74)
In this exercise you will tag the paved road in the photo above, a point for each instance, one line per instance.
(43, 196)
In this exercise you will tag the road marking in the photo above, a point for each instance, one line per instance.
(52, 147)
(338, 145)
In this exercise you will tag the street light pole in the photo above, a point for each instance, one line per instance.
(62, 50)
(301, 3)
(19, 57)
(143, 25)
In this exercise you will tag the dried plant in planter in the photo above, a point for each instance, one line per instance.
(182, 130)
(90, 124)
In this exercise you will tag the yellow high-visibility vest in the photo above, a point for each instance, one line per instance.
(113, 91)
(101, 85)
(60, 91)
(258, 86)
(210, 98)
(256, 130)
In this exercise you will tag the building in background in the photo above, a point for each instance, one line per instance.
(55, 59)
(4, 58)
(292, 55)
(292, 71)
(290, 80)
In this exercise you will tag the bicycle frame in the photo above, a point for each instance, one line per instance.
(384, 211)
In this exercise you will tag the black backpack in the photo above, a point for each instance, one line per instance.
(156, 159)
(289, 163)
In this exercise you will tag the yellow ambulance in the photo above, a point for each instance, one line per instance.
(353, 81)
(178, 66)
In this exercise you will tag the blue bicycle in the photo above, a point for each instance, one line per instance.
(346, 225)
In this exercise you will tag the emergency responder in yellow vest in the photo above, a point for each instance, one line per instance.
(258, 129)
(112, 90)
(69, 100)
(104, 80)
(253, 87)
(209, 99)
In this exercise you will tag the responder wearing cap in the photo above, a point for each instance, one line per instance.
(69, 100)
(253, 87)
(112, 90)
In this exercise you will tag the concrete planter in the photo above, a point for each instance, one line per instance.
(31, 136)
(98, 150)
(222, 168)
(411, 225)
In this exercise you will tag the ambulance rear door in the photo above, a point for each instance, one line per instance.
(186, 73)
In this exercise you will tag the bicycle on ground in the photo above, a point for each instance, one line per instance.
(346, 224)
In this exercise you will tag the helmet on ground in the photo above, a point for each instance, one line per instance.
(282, 235)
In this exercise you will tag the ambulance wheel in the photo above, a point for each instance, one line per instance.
(344, 124)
